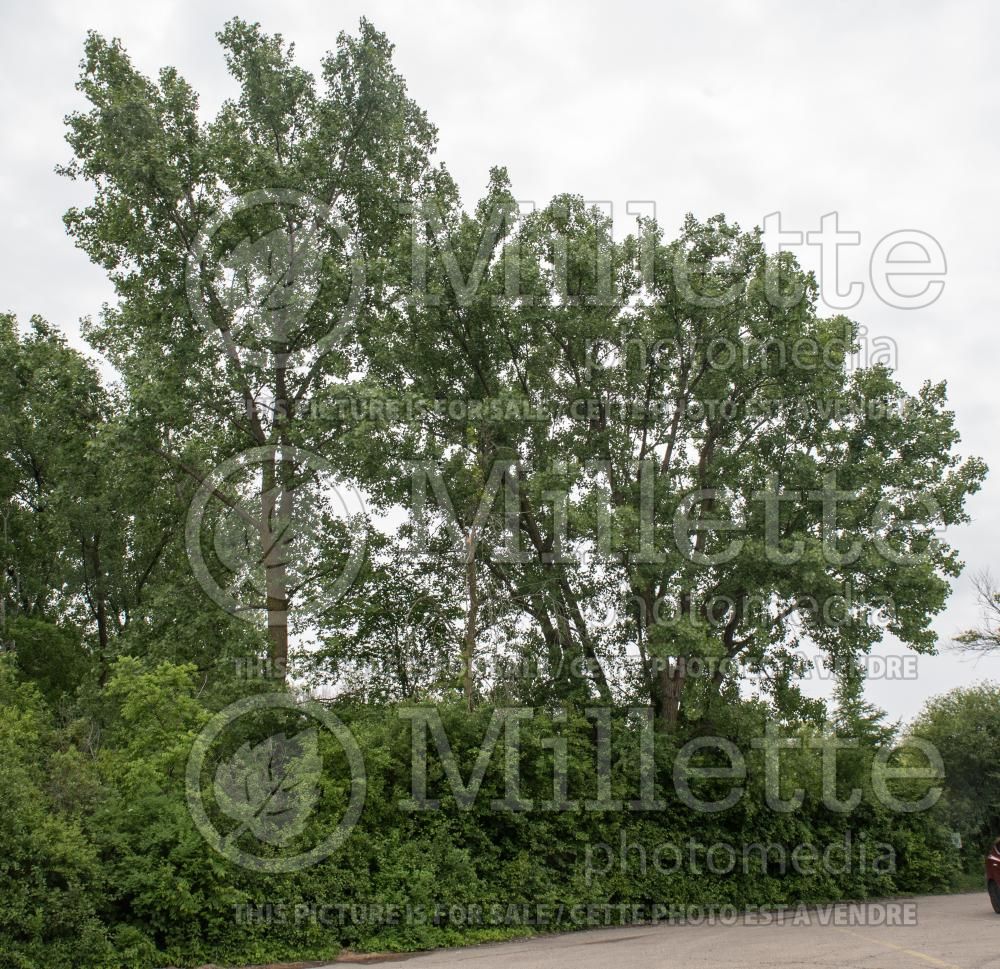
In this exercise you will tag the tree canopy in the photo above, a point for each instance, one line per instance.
(514, 455)
(474, 472)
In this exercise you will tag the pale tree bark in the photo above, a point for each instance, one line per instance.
(671, 689)
(472, 614)
(276, 509)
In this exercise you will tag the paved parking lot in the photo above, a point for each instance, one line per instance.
(950, 932)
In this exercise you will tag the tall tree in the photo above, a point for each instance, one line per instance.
(52, 405)
(706, 468)
(768, 490)
(467, 360)
(245, 251)
(86, 519)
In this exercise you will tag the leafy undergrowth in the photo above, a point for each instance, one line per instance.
(106, 868)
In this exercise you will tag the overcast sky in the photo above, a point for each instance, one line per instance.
(884, 113)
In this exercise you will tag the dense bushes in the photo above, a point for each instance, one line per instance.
(104, 865)
(50, 868)
(964, 725)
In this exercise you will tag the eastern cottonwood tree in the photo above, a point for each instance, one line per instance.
(723, 400)
(691, 450)
(243, 251)
(644, 452)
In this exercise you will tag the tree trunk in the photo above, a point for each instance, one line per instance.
(100, 610)
(671, 688)
(100, 596)
(469, 646)
(586, 643)
(275, 532)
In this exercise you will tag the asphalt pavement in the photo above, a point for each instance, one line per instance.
(949, 932)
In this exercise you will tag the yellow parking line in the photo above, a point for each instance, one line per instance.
(899, 948)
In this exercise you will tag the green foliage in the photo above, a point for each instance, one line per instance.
(52, 656)
(89, 528)
(108, 869)
(623, 376)
(50, 869)
(240, 326)
(964, 725)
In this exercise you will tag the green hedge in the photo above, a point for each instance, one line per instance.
(102, 864)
